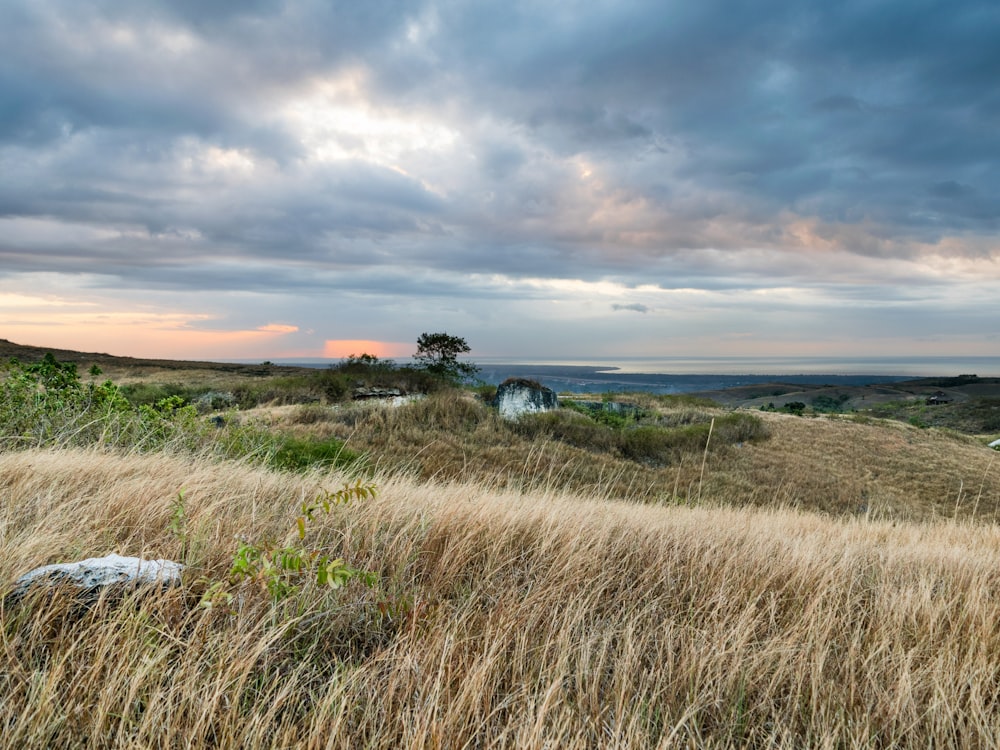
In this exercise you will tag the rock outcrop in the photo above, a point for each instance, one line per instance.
(93, 575)
(518, 396)
(363, 393)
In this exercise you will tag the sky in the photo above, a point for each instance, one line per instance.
(266, 179)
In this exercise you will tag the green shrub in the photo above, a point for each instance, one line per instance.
(297, 454)
(609, 413)
(214, 401)
(739, 427)
(139, 394)
(281, 570)
(650, 444)
(830, 404)
(46, 405)
(336, 386)
(654, 444)
(570, 427)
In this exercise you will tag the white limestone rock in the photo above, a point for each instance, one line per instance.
(98, 572)
(517, 396)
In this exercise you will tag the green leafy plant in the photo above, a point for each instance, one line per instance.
(282, 569)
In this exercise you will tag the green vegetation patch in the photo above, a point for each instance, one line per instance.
(570, 427)
(830, 404)
(47, 405)
(655, 441)
(975, 416)
(298, 454)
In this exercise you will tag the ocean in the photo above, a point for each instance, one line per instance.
(689, 374)
(912, 367)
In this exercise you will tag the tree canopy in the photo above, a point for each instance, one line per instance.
(438, 353)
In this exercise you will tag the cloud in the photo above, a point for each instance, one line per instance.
(432, 156)
(277, 328)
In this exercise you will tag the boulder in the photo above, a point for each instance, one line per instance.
(97, 573)
(518, 396)
(363, 393)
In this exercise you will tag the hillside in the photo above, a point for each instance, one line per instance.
(966, 404)
(132, 368)
(500, 619)
(840, 464)
(677, 574)
(830, 464)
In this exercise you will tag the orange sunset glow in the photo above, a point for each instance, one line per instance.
(342, 348)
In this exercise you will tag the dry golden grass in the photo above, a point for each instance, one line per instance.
(538, 620)
(882, 468)
(833, 465)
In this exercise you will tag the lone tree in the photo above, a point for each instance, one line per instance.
(437, 353)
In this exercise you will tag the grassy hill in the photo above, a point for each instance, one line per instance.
(697, 577)
(502, 619)
(966, 404)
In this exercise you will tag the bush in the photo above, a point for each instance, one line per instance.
(569, 427)
(296, 454)
(139, 394)
(830, 404)
(214, 401)
(486, 393)
(46, 405)
(650, 444)
(740, 427)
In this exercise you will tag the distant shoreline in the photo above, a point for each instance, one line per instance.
(737, 366)
(687, 375)
(578, 378)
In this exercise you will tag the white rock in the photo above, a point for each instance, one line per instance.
(995, 444)
(517, 396)
(96, 572)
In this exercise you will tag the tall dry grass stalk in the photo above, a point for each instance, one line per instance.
(529, 621)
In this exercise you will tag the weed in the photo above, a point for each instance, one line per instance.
(281, 570)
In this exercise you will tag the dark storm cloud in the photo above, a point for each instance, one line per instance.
(785, 102)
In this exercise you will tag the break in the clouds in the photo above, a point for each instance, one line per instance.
(270, 178)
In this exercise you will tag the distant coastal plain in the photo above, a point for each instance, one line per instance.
(668, 375)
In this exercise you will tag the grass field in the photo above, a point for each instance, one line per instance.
(502, 619)
(798, 582)
(834, 464)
